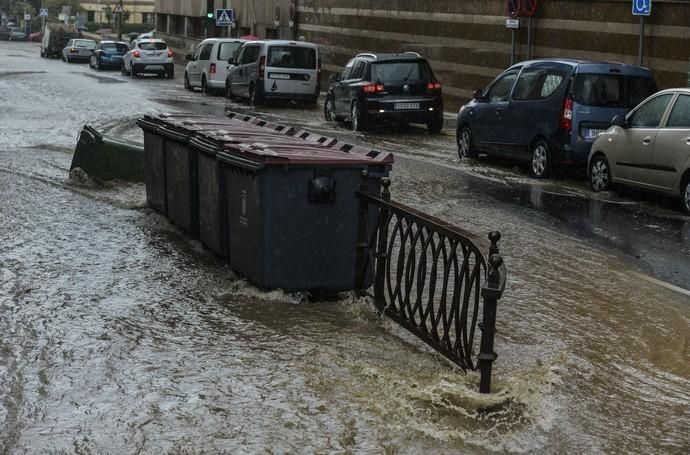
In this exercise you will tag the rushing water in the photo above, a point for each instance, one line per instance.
(119, 334)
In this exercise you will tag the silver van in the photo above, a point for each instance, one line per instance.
(275, 69)
(207, 66)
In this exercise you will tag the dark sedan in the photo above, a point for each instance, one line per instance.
(108, 54)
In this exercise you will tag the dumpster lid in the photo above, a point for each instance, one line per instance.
(302, 154)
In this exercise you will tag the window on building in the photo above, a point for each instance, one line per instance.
(91, 16)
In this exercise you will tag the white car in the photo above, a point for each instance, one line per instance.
(207, 66)
(149, 56)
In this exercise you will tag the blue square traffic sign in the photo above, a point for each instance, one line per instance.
(641, 7)
(224, 17)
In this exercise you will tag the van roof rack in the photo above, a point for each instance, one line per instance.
(367, 54)
(416, 54)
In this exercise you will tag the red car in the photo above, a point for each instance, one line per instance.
(36, 37)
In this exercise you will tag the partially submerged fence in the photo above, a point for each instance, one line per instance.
(432, 278)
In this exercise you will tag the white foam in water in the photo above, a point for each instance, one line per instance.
(243, 288)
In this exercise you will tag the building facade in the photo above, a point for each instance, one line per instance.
(262, 18)
(468, 43)
(140, 11)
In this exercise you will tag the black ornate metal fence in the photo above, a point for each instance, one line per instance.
(434, 279)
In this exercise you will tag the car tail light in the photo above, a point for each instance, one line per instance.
(373, 88)
(433, 86)
(567, 114)
(262, 67)
(170, 53)
(212, 69)
(136, 54)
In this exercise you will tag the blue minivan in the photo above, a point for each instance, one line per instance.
(548, 112)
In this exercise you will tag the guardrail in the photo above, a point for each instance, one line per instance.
(430, 277)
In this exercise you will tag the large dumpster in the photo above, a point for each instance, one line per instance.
(292, 213)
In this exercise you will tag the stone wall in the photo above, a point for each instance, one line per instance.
(468, 44)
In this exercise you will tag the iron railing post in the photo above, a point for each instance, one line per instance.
(492, 290)
(382, 246)
(362, 238)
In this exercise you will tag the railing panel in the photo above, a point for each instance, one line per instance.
(430, 277)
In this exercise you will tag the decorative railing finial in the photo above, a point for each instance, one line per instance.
(386, 194)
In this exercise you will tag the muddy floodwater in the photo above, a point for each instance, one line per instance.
(120, 334)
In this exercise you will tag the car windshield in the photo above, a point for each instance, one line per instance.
(391, 72)
(227, 50)
(119, 47)
(612, 90)
(85, 44)
(152, 46)
(292, 57)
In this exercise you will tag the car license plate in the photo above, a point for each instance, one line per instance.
(278, 76)
(592, 133)
(405, 106)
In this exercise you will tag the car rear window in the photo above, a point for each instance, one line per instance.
(612, 90)
(227, 50)
(292, 57)
(85, 44)
(391, 72)
(120, 47)
(152, 46)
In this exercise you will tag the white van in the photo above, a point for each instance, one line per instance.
(275, 69)
(207, 66)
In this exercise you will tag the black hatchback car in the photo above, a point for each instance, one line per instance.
(398, 87)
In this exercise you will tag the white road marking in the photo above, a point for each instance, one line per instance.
(663, 284)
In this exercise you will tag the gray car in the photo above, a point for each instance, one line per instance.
(78, 50)
(649, 148)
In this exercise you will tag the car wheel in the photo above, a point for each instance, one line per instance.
(132, 74)
(329, 110)
(171, 73)
(540, 163)
(599, 174)
(228, 90)
(98, 64)
(204, 85)
(255, 96)
(435, 125)
(464, 139)
(685, 194)
(356, 117)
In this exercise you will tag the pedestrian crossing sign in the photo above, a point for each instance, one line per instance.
(44, 12)
(118, 9)
(225, 17)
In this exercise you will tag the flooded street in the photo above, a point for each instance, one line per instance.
(120, 334)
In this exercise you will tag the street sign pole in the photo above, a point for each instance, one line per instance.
(641, 50)
(641, 8)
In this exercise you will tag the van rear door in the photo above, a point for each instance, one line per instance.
(291, 69)
(599, 94)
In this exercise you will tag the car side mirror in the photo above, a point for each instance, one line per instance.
(619, 120)
(189, 57)
(478, 94)
(334, 78)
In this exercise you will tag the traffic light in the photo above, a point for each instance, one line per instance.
(210, 12)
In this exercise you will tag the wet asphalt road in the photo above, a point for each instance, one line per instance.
(119, 334)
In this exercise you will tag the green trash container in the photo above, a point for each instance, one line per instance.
(105, 158)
